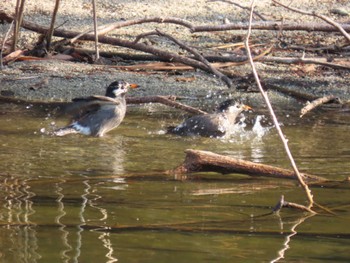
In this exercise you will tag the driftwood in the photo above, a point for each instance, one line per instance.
(315, 103)
(204, 161)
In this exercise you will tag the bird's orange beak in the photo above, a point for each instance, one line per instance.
(246, 107)
(133, 85)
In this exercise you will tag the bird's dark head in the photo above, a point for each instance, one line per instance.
(119, 88)
(233, 106)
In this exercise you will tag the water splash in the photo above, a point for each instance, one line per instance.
(239, 132)
(258, 129)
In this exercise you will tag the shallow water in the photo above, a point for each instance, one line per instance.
(83, 199)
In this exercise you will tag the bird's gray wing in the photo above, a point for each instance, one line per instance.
(88, 105)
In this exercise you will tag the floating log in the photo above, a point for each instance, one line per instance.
(204, 161)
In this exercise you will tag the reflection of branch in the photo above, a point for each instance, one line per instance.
(288, 238)
(274, 118)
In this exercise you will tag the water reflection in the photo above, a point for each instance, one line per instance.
(77, 198)
(288, 238)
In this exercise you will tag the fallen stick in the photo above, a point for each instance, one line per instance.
(315, 103)
(204, 161)
(166, 100)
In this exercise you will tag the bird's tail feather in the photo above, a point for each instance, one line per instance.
(64, 131)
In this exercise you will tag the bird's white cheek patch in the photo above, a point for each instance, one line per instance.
(81, 129)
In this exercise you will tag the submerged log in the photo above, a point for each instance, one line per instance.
(204, 161)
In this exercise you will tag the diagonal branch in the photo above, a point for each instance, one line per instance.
(274, 118)
(52, 25)
(166, 100)
(197, 55)
(324, 18)
(3, 45)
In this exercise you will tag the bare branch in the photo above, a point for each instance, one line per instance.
(166, 100)
(315, 103)
(3, 44)
(18, 21)
(195, 52)
(95, 30)
(324, 18)
(52, 25)
(274, 118)
(298, 206)
(296, 60)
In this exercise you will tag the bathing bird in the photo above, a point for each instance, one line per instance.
(96, 115)
(211, 125)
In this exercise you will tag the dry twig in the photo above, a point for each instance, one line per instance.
(261, 25)
(166, 100)
(3, 45)
(18, 21)
(315, 103)
(297, 60)
(324, 18)
(198, 56)
(60, 106)
(95, 30)
(52, 25)
(274, 118)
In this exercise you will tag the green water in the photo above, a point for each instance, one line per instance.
(83, 199)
